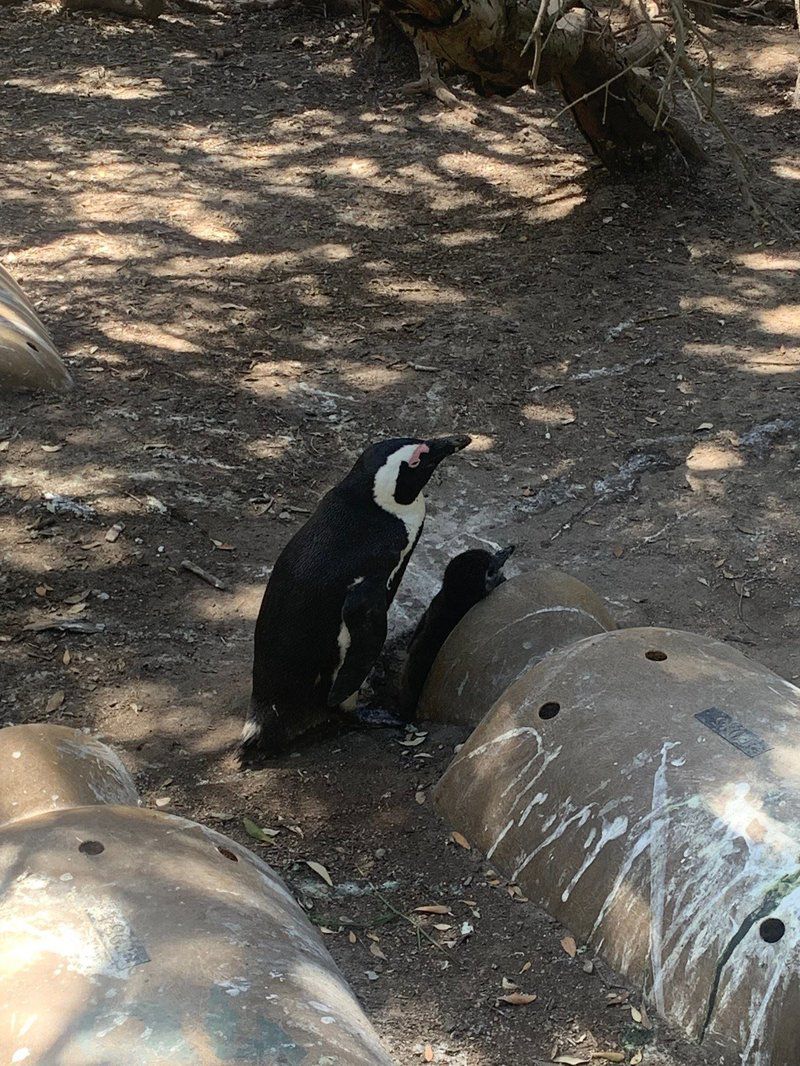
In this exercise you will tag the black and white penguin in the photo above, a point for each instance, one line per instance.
(322, 622)
(469, 578)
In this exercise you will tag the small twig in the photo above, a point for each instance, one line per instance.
(204, 575)
(411, 921)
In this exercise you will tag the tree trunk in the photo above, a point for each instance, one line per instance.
(505, 44)
(142, 9)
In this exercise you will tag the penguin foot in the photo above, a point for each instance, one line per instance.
(378, 717)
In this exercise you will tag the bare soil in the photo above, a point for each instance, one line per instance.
(257, 256)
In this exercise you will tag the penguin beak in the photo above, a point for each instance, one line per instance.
(495, 576)
(502, 557)
(440, 447)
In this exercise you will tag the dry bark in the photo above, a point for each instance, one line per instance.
(505, 44)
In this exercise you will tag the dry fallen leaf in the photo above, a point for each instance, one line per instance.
(519, 999)
(51, 447)
(427, 1054)
(66, 658)
(54, 702)
(320, 870)
(645, 1020)
(636, 1015)
(351, 936)
(461, 840)
(442, 926)
(376, 951)
(609, 1056)
(569, 945)
(571, 1060)
(637, 1057)
(420, 797)
(263, 836)
(222, 547)
(526, 967)
(433, 908)
(413, 743)
(508, 986)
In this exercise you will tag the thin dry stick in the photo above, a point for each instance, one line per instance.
(536, 36)
(416, 925)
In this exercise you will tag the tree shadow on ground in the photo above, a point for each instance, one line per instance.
(254, 264)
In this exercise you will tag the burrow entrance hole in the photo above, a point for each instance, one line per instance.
(549, 710)
(771, 930)
(655, 656)
(228, 854)
(91, 847)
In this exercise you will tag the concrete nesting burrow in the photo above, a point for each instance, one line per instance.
(523, 620)
(134, 936)
(28, 358)
(643, 787)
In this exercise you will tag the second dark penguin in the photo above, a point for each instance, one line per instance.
(469, 578)
(322, 621)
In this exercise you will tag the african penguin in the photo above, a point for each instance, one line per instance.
(469, 577)
(322, 621)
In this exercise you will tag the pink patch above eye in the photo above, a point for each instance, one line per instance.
(419, 451)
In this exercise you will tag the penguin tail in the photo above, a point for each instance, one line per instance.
(259, 733)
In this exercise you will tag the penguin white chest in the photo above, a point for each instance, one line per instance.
(413, 523)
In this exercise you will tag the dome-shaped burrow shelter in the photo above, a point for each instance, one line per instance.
(133, 936)
(28, 358)
(643, 787)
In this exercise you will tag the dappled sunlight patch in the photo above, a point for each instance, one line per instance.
(766, 260)
(269, 447)
(783, 319)
(460, 238)
(481, 442)
(716, 305)
(554, 414)
(708, 463)
(239, 606)
(353, 166)
(787, 168)
(370, 378)
(95, 82)
(151, 335)
(416, 291)
(88, 483)
(746, 357)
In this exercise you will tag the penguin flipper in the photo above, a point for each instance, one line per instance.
(364, 630)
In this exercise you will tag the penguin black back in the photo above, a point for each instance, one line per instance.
(468, 579)
(322, 621)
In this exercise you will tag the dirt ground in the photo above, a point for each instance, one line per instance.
(257, 256)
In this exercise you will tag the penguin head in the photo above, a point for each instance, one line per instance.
(474, 574)
(398, 470)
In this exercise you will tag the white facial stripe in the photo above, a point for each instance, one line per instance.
(412, 515)
(386, 479)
